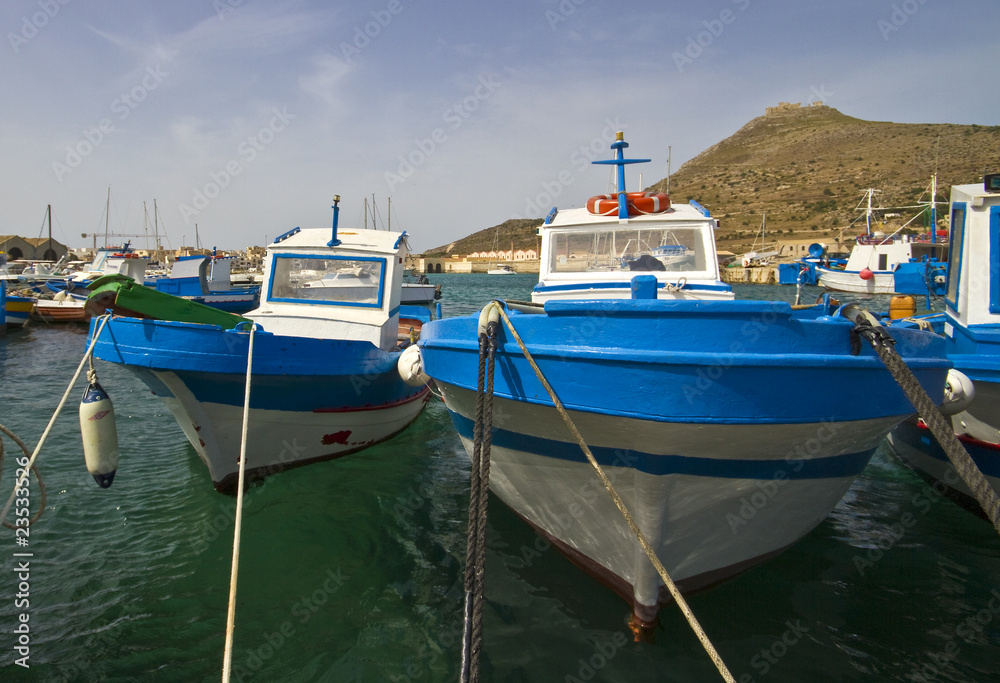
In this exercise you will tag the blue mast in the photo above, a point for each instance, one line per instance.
(619, 146)
(336, 218)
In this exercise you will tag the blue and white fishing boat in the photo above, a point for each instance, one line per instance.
(971, 328)
(887, 264)
(324, 380)
(683, 402)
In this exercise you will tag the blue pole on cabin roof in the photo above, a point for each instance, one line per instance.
(620, 161)
(336, 218)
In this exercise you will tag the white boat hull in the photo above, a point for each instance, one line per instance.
(278, 439)
(843, 281)
(703, 528)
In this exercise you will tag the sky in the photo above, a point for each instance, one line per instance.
(245, 117)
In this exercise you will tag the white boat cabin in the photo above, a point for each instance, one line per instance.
(972, 297)
(588, 256)
(349, 291)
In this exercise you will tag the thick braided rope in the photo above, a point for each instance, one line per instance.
(939, 426)
(470, 671)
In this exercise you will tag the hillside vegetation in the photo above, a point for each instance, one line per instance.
(808, 169)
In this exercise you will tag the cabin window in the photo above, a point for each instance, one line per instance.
(955, 252)
(675, 249)
(334, 280)
(883, 261)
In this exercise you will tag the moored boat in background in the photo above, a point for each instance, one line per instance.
(886, 264)
(324, 374)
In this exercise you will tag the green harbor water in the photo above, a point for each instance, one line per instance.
(351, 570)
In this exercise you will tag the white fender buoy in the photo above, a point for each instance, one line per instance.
(411, 366)
(100, 434)
(60, 296)
(958, 393)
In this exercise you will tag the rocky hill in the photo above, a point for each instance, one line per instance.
(519, 232)
(808, 168)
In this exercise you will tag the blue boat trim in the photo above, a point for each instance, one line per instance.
(848, 465)
(285, 236)
(625, 285)
(323, 302)
(699, 207)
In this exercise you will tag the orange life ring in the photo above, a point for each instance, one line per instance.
(636, 203)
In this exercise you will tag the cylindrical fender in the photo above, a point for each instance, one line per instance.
(100, 435)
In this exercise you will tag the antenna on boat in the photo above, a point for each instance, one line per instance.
(336, 217)
(669, 154)
(620, 161)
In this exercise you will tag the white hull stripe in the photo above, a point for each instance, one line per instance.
(845, 465)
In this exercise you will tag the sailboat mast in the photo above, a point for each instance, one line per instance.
(156, 230)
(868, 213)
(107, 214)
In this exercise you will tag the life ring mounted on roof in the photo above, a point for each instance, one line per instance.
(636, 203)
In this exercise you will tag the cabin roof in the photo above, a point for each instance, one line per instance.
(315, 239)
(580, 216)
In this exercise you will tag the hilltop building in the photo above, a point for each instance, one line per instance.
(788, 106)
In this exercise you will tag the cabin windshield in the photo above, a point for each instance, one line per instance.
(328, 280)
(672, 248)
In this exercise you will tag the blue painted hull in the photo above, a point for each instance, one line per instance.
(691, 408)
(917, 448)
(311, 399)
(976, 353)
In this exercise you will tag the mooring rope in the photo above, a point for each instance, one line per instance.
(647, 548)
(868, 327)
(52, 420)
(34, 470)
(479, 488)
(238, 520)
